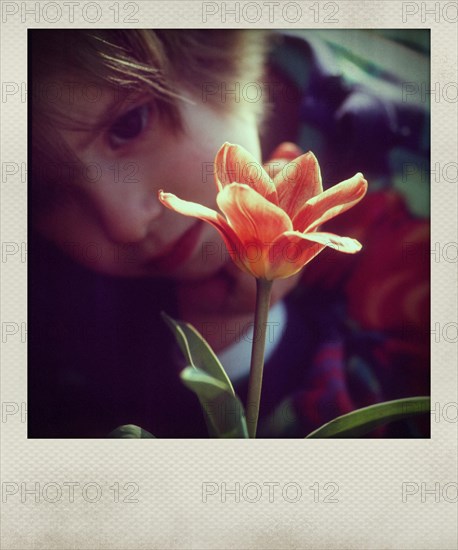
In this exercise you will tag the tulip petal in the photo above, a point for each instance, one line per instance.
(253, 218)
(297, 182)
(341, 244)
(329, 204)
(234, 164)
(195, 210)
(188, 208)
(292, 250)
(289, 253)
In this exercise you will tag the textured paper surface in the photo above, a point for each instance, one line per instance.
(351, 490)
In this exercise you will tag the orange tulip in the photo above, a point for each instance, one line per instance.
(270, 226)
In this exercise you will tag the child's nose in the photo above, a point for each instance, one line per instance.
(126, 214)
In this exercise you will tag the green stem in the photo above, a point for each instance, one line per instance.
(263, 289)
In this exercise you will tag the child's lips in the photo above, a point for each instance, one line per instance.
(178, 252)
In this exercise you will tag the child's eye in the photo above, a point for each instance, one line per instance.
(129, 126)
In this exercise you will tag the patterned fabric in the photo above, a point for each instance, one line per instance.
(354, 117)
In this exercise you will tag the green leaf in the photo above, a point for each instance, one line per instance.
(223, 411)
(130, 431)
(197, 351)
(206, 377)
(202, 383)
(362, 421)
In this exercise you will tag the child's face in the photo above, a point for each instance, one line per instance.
(111, 219)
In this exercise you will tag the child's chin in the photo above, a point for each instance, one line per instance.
(195, 271)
